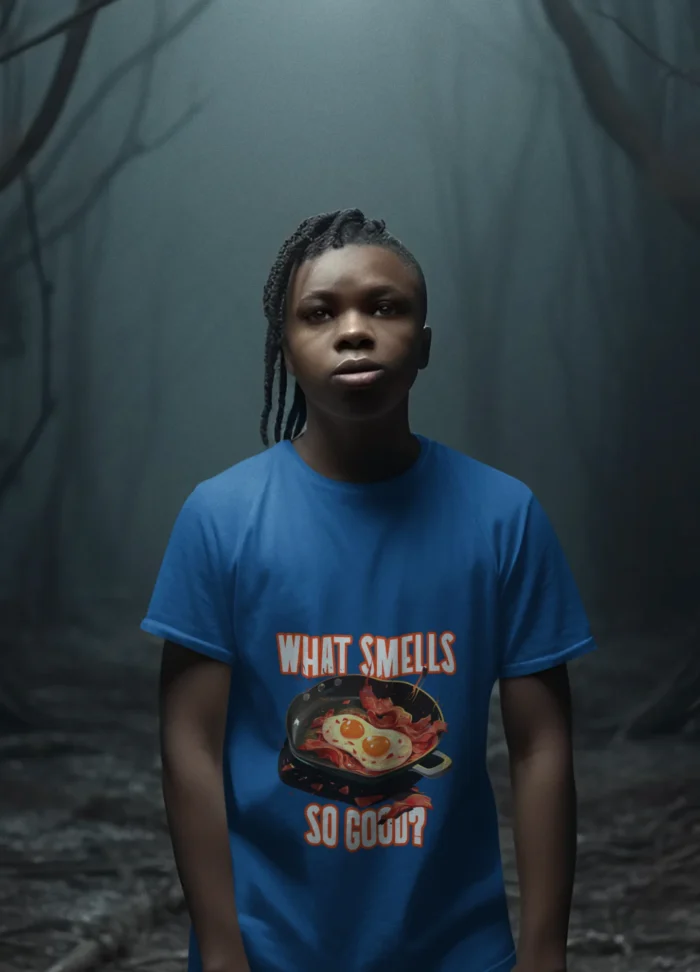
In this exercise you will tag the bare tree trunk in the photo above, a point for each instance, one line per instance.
(677, 702)
(40, 599)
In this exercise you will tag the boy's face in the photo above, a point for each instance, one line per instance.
(357, 307)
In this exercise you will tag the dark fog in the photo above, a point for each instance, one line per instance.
(541, 158)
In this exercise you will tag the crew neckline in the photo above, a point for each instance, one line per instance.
(371, 488)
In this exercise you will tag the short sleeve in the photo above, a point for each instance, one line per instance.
(543, 618)
(190, 604)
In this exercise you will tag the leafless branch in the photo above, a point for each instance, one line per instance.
(128, 153)
(87, 111)
(676, 182)
(7, 12)
(153, 144)
(671, 70)
(84, 8)
(50, 110)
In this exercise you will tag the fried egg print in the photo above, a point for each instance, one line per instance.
(379, 750)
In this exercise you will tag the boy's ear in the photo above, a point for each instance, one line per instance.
(426, 343)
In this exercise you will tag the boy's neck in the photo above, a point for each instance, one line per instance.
(360, 452)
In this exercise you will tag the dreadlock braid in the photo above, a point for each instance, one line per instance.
(312, 237)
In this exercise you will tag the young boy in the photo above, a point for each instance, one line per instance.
(336, 611)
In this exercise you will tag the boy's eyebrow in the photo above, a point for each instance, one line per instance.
(375, 291)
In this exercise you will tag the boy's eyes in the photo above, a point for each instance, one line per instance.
(387, 306)
(384, 307)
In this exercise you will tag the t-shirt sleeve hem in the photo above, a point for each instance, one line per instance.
(187, 641)
(541, 664)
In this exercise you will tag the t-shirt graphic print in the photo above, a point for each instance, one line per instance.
(364, 741)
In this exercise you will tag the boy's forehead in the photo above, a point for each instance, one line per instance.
(352, 266)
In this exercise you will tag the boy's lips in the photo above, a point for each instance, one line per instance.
(357, 372)
(349, 366)
(358, 378)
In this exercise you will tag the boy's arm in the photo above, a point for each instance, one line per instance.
(536, 713)
(194, 693)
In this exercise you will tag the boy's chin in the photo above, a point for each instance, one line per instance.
(358, 413)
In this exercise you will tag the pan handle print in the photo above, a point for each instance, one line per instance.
(430, 772)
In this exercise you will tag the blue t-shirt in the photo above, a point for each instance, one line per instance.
(366, 625)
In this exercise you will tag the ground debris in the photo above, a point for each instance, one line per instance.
(87, 875)
(637, 899)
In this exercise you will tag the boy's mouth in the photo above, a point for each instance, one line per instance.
(357, 372)
(356, 379)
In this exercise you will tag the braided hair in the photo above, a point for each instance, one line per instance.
(312, 237)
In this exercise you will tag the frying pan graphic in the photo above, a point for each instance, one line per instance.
(342, 693)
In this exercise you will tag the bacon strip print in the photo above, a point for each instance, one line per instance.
(408, 803)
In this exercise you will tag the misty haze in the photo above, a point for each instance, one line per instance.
(541, 158)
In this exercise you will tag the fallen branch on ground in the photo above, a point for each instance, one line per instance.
(154, 957)
(141, 914)
(599, 943)
(63, 869)
(42, 744)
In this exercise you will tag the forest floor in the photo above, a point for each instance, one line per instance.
(86, 873)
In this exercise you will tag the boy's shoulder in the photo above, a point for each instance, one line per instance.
(245, 472)
(486, 486)
(236, 488)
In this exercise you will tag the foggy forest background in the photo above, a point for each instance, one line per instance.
(542, 160)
